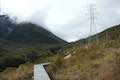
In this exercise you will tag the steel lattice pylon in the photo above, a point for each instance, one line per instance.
(92, 21)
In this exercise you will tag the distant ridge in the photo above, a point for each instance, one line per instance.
(109, 35)
(25, 32)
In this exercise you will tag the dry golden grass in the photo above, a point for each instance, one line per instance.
(86, 63)
(92, 63)
(24, 72)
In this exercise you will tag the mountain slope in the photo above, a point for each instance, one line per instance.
(5, 25)
(111, 36)
(29, 32)
(90, 62)
(25, 42)
(25, 32)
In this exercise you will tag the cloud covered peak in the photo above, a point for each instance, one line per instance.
(67, 19)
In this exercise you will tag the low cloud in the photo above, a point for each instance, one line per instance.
(68, 19)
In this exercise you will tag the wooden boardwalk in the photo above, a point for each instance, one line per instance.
(40, 72)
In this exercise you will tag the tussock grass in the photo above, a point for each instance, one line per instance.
(87, 63)
(24, 72)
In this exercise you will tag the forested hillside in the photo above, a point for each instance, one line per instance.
(25, 42)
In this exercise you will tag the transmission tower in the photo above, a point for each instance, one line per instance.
(92, 22)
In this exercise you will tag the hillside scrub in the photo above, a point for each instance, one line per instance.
(24, 72)
(92, 63)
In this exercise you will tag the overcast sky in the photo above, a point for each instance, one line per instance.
(68, 19)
